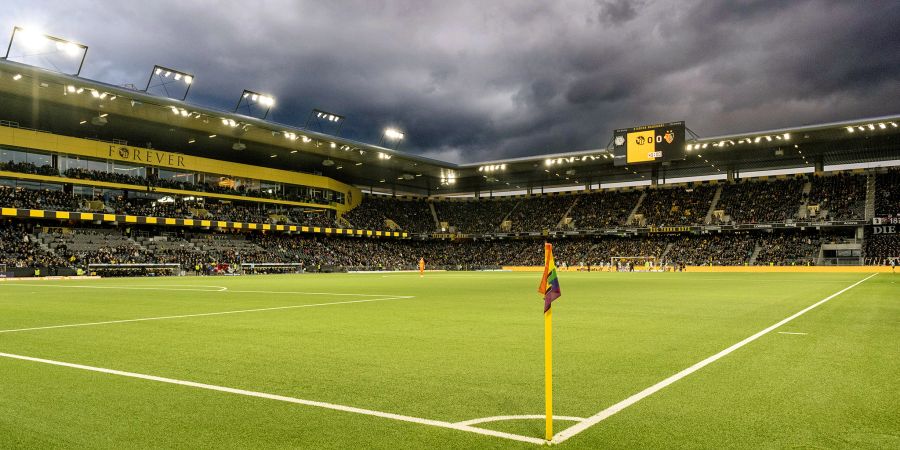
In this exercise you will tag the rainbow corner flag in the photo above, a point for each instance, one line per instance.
(549, 286)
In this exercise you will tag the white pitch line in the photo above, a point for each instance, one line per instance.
(519, 417)
(318, 293)
(282, 398)
(790, 332)
(127, 288)
(219, 289)
(602, 415)
(220, 313)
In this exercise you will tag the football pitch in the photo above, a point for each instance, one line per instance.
(641, 360)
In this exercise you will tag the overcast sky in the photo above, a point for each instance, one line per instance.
(489, 79)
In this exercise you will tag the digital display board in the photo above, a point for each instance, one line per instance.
(649, 144)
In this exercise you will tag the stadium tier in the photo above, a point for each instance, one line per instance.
(272, 198)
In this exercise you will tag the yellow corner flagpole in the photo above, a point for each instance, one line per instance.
(548, 371)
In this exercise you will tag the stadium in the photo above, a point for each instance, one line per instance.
(180, 275)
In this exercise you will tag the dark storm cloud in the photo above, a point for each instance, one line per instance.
(473, 81)
(615, 12)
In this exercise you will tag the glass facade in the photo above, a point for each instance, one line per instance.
(18, 160)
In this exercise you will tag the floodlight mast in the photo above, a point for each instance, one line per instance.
(84, 48)
(164, 72)
(316, 116)
(255, 98)
(392, 134)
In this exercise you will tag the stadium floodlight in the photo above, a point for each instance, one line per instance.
(166, 77)
(318, 117)
(250, 99)
(44, 48)
(392, 134)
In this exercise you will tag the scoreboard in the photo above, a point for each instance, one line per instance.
(649, 144)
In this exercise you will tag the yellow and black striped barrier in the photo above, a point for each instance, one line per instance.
(178, 222)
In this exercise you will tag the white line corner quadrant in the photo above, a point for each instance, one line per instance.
(602, 415)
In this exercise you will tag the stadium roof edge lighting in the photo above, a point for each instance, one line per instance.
(264, 135)
(266, 124)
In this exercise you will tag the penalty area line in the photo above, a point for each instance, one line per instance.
(606, 413)
(219, 313)
(282, 398)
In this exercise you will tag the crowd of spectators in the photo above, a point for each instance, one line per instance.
(79, 247)
(27, 167)
(882, 248)
(154, 181)
(734, 249)
(788, 249)
(887, 193)
(761, 201)
(474, 216)
(19, 248)
(537, 213)
(46, 199)
(839, 197)
(174, 207)
(677, 206)
(605, 209)
(109, 177)
(411, 215)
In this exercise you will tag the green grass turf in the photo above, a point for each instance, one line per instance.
(468, 345)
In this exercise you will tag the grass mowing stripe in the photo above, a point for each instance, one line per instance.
(332, 406)
(220, 313)
(602, 415)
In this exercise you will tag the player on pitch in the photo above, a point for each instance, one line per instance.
(421, 267)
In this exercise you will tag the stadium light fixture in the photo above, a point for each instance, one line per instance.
(392, 134)
(39, 44)
(850, 129)
(166, 77)
(250, 99)
(321, 117)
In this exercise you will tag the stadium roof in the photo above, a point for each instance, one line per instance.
(63, 104)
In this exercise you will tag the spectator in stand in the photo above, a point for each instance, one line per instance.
(882, 248)
(410, 215)
(19, 248)
(677, 206)
(839, 197)
(714, 250)
(46, 199)
(787, 249)
(887, 193)
(474, 216)
(26, 167)
(537, 213)
(761, 201)
(605, 209)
